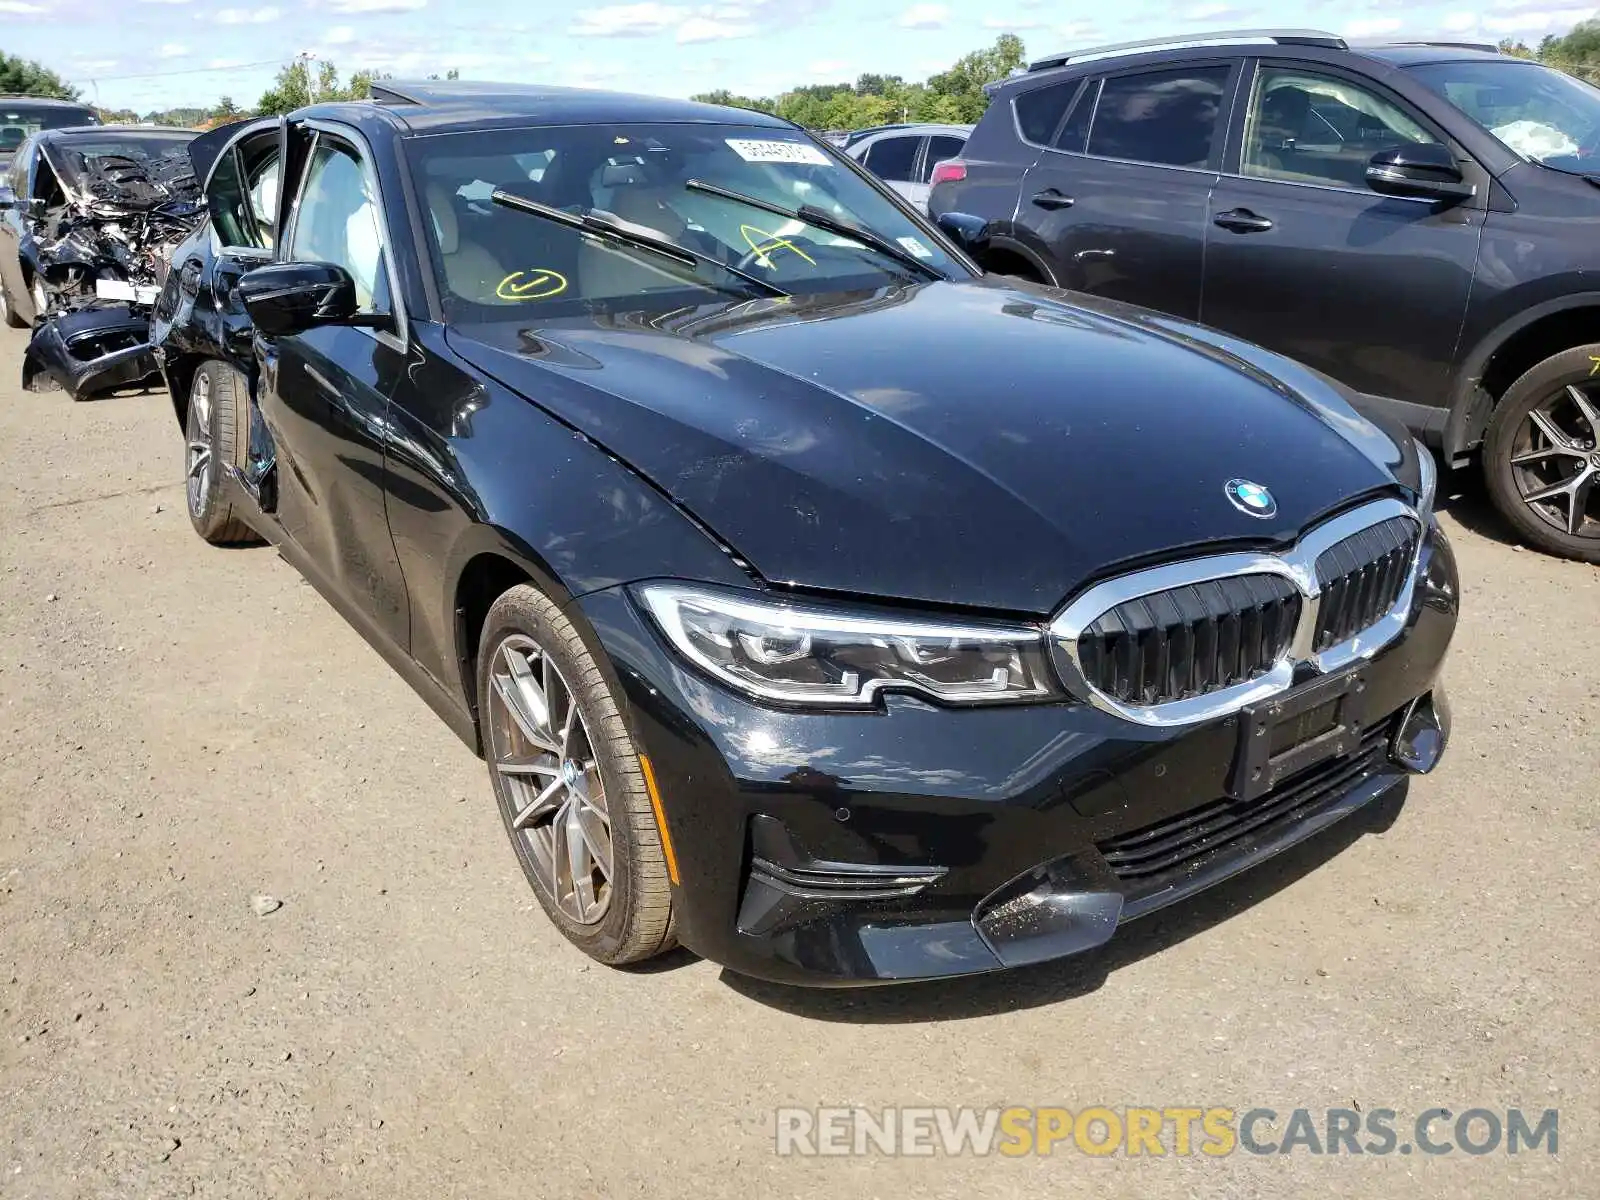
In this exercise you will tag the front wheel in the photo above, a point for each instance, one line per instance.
(569, 782)
(211, 432)
(1541, 458)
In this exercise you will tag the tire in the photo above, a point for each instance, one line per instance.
(1544, 441)
(8, 314)
(535, 651)
(217, 399)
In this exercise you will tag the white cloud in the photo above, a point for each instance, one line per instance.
(1011, 26)
(339, 35)
(924, 16)
(173, 50)
(225, 64)
(376, 6)
(1372, 27)
(713, 29)
(20, 8)
(628, 20)
(1217, 12)
(167, 1)
(94, 66)
(246, 16)
(830, 68)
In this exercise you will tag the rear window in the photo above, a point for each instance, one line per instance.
(1170, 118)
(19, 119)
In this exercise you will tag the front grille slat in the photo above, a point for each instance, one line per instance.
(1178, 841)
(1190, 641)
(1362, 579)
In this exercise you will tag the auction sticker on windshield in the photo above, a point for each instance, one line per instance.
(756, 151)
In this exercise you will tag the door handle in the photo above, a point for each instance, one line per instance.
(1052, 199)
(1242, 220)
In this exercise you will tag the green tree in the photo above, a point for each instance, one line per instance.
(24, 77)
(964, 82)
(297, 85)
(1515, 49)
(1577, 52)
(225, 109)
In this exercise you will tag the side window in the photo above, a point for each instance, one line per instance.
(1074, 134)
(336, 221)
(1171, 118)
(1040, 111)
(939, 149)
(893, 158)
(1311, 128)
(243, 197)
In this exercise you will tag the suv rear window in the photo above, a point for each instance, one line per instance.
(1166, 117)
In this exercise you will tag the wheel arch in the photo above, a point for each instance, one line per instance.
(1000, 249)
(490, 561)
(1508, 351)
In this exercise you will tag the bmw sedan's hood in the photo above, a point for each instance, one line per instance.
(962, 443)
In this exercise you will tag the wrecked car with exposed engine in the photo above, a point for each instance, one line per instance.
(88, 218)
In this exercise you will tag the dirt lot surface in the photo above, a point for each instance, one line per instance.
(184, 729)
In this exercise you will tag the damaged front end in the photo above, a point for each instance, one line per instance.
(99, 249)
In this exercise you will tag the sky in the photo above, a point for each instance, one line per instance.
(151, 54)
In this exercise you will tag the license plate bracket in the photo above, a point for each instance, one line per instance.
(1286, 734)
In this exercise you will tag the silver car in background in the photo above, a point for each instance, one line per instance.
(903, 156)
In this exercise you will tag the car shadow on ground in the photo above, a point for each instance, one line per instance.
(1072, 978)
(1464, 495)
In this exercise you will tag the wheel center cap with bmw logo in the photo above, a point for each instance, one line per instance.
(1251, 498)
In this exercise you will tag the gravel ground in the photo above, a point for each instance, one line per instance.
(186, 730)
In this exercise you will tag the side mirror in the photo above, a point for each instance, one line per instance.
(1422, 170)
(967, 231)
(292, 297)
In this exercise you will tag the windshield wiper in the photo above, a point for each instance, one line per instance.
(821, 218)
(592, 222)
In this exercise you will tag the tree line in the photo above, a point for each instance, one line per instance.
(953, 96)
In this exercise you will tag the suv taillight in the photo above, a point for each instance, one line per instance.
(951, 170)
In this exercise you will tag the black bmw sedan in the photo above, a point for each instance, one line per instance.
(815, 601)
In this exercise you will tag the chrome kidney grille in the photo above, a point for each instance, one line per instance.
(1361, 578)
(1194, 639)
(1190, 641)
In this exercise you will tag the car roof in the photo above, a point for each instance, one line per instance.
(72, 132)
(1394, 52)
(454, 106)
(45, 101)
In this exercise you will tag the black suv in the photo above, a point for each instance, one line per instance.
(1414, 220)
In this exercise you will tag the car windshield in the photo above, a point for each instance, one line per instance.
(495, 262)
(1542, 114)
(18, 120)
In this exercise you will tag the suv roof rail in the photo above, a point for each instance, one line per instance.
(1491, 47)
(1227, 37)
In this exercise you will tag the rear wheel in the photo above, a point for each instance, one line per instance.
(569, 783)
(216, 413)
(1542, 455)
(8, 314)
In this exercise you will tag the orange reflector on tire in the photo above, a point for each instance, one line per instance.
(661, 817)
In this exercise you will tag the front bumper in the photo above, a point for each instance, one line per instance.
(921, 842)
(89, 352)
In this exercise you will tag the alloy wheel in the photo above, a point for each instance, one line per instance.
(555, 799)
(199, 439)
(1555, 461)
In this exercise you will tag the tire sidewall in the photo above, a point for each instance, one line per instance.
(204, 519)
(526, 611)
(1532, 389)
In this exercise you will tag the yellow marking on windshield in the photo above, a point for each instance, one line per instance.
(768, 243)
(538, 285)
(1595, 359)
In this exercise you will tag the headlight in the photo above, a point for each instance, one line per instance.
(1428, 487)
(816, 655)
